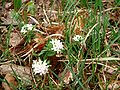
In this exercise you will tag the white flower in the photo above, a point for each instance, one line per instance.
(77, 38)
(57, 45)
(40, 67)
(27, 27)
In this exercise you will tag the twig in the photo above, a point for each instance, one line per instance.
(34, 19)
(6, 62)
(43, 81)
(96, 59)
(54, 82)
(115, 69)
(46, 14)
(55, 12)
(80, 11)
(33, 78)
(37, 30)
(30, 50)
(101, 59)
(109, 9)
(52, 35)
(104, 77)
(7, 24)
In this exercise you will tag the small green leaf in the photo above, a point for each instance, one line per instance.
(31, 7)
(17, 4)
(42, 52)
(50, 53)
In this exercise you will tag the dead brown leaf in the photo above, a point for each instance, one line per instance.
(15, 38)
(17, 44)
(39, 40)
(68, 76)
(11, 80)
(79, 25)
(55, 29)
(23, 72)
(114, 85)
(80, 21)
(36, 44)
(7, 19)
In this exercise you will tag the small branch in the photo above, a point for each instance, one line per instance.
(46, 14)
(6, 62)
(115, 69)
(110, 9)
(102, 59)
(34, 20)
(7, 24)
(30, 50)
(95, 59)
(54, 35)
(56, 12)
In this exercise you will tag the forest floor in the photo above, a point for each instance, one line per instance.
(60, 45)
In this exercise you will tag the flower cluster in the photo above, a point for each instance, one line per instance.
(77, 38)
(57, 45)
(40, 67)
(27, 27)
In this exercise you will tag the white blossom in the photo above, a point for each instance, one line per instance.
(77, 38)
(57, 45)
(40, 67)
(27, 27)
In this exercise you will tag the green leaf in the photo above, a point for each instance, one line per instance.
(117, 2)
(42, 52)
(50, 53)
(3, 3)
(31, 7)
(17, 4)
